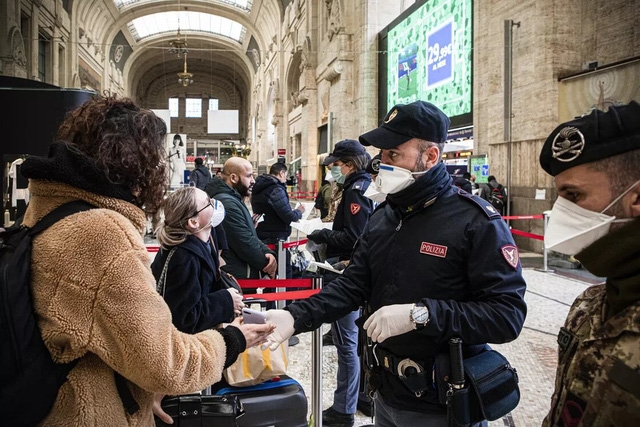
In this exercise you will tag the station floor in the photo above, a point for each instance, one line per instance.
(533, 354)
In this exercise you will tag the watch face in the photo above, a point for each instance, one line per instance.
(420, 314)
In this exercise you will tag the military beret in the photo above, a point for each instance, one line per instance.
(403, 122)
(592, 137)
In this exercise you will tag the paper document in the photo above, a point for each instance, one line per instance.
(326, 266)
(308, 225)
(308, 207)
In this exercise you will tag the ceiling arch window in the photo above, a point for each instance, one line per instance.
(240, 4)
(168, 22)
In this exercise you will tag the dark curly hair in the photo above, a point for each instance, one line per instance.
(126, 142)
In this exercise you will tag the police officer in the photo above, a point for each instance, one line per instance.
(433, 263)
(595, 160)
(348, 163)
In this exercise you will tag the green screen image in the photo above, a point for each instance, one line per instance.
(430, 57)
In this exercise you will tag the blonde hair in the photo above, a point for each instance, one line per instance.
(178, 207)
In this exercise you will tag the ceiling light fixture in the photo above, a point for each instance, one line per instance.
(185, 78)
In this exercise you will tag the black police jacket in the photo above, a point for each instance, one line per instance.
(449, 250)
(350, 219)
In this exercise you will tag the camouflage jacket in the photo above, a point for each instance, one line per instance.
(598, 376)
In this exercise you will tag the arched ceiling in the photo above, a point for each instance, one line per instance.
(219, 63)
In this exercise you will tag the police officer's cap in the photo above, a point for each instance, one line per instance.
(343, 149)
(403, 122)
(592, 137)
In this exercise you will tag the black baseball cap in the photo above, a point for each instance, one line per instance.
(592, 137)
(403, 122)
(343, 149)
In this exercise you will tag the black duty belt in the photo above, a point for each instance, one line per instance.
(417, 376)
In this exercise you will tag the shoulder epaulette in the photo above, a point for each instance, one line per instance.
(361, 184)
(487, 207)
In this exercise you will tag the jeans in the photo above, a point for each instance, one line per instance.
(386, 416)
(345, 398)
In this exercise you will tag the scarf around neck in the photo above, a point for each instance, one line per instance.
(430, 185)
(616, 256)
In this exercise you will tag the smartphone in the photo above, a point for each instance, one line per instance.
(253, 316)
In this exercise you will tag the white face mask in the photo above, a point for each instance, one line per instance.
(218, 213)
(216, 217)
(572, 228)
(374, 193)
(392, 179)
(328, 176)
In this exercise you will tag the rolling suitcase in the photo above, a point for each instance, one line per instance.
(279, 402)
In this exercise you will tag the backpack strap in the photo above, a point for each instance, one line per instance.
(58, 213)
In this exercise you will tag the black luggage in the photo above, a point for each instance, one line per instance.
(279, 402)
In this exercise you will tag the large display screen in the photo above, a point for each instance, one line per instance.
(428, 56)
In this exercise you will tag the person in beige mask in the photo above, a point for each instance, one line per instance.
(595, 161)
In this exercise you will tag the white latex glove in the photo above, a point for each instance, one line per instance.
(283, 321)
(389, 321)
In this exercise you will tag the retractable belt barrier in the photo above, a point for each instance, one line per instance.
(313, 285)
(278, 284)
(287, 245)
(545, 218)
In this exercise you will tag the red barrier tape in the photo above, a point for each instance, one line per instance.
(525, 234)
(280, 296)
(523, 217)
(286, 283)
(153, 248)
(290, 244)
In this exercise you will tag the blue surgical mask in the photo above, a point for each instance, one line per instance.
(336, 173)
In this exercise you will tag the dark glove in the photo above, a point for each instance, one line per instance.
(317, 236)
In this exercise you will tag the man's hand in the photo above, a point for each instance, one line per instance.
(271, 267)
(157, 409)
(300, 207)
(317, 236)
(389, 321)
(283, 320)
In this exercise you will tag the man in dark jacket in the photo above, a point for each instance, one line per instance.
(269, 198)
(200, 176)
(433, 263)
(247, 256)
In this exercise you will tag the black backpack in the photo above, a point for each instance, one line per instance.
(496, 197)
(29, 378)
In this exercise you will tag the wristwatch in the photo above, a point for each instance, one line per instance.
(419, 315)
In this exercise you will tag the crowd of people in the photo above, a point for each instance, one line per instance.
(427, 262)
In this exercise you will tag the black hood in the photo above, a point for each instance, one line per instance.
(69, 166)
(264, 183)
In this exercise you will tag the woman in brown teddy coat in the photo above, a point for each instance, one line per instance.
(93, 290)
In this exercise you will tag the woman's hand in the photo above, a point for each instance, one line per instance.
(254, 334)
(238, 304)
(157, 409)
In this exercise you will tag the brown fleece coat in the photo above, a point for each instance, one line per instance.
(96, 300)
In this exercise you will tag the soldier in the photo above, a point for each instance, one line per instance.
(595, 160)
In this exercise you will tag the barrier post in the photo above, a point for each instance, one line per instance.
(545, 221)
(282, 270)
(316, 370)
